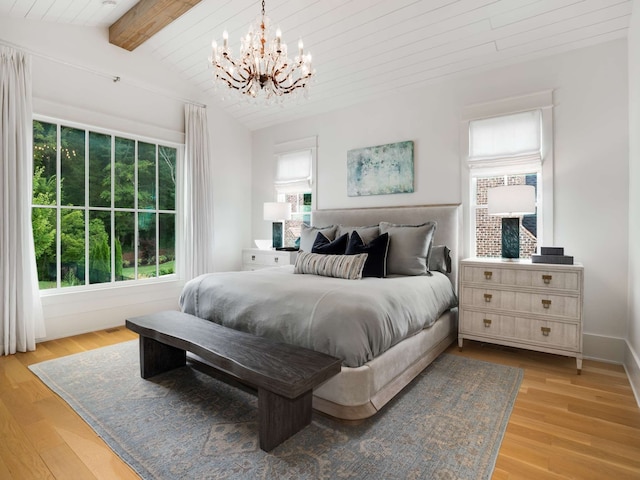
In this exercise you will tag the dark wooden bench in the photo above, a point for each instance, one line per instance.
(284, 375)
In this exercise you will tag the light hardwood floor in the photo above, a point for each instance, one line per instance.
(562, 426)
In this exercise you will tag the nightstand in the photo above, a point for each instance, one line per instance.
(522, 304)
(255, 259)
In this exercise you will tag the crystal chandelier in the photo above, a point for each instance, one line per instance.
(263, 67)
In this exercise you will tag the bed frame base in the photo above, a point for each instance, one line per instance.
(358, 413)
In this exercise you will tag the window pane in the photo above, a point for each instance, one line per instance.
(147, 245)
(300, 213)
(167, 240)
(124, 175)
(489, 227)
(72, 143)
(99, 170)
(125, 246)
(72, 247)
(146, 175)
(167, 157)
(99, 247)
(44, 163)
(43, 221)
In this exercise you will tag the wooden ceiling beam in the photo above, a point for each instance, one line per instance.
(145, 19)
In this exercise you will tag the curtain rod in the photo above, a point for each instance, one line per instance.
(114, 78)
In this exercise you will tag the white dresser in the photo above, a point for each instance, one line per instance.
(522, 304)
(255, 259)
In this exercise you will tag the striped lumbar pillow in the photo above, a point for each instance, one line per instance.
(340, 266)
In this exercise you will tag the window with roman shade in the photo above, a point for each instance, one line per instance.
(293, 183)
(508, 142)
(293, 171)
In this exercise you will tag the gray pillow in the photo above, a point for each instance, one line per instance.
(408, 247)
(440, 259)
(367, 234)
(308, 235)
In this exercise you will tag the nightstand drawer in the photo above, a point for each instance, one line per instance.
(515, 301)
(517, 329)
(270, 259)
(255, 259)
(494, 275)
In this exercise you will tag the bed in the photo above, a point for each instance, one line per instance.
(385, 330)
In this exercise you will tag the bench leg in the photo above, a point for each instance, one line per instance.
(281, 417)
(156, 357)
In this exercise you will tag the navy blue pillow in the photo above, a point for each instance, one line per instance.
(376, 264)
(323, 245)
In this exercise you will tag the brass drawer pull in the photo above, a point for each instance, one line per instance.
(487, 297)
(487, 322)
(545, 331)
(487, 275)
(546, 303)
(547, 279)
(253, 258)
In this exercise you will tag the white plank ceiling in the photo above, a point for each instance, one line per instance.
(362, 49)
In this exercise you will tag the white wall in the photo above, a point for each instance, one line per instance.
(591, 162)
(632, 352)
(147, 101)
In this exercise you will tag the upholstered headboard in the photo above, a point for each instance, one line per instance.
(448, 218)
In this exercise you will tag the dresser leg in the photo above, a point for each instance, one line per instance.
(579, 364)
(460, 342)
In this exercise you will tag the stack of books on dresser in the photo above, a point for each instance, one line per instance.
(552, 255)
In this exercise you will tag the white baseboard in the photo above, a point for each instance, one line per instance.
(602, 348)
(632, 367)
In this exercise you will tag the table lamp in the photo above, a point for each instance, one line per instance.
(277, 212)
(511, 202)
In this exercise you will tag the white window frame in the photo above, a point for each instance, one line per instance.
(179, 251)
(542, 101)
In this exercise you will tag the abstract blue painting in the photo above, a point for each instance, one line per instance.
(380, 170)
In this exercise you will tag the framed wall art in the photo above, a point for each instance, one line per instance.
(380, 170)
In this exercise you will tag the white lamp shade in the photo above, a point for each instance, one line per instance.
(511, 200)
(277, 211)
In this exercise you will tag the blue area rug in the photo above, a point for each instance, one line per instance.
(447, 424)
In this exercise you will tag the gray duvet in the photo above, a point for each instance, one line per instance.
(355, 320)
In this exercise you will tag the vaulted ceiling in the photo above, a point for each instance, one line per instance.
(362, 49)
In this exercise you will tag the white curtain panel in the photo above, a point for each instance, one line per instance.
(22, 318)
(198, 195)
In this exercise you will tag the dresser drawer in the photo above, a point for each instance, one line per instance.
(565, 306)
(516, 329)
(537, 278)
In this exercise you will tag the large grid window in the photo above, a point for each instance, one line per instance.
(104, 206)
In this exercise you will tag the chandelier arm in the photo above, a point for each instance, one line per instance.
(238, 69)
(298, 83)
